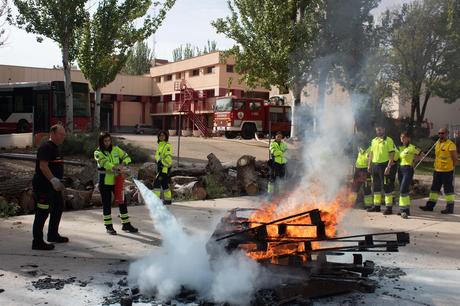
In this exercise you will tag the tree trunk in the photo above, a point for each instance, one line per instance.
(246, 174)
(193, 190)
(322, 87)
(97, 111)
(425, 103)
(67, 90)
(189, 171)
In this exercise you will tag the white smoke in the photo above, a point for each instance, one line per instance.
(183, 261)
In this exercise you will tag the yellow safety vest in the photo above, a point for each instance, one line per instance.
(107, 160)
(443, 161)
(163, 154)
(381, 149)
(361, 160)
(277, 150)
(407, 154)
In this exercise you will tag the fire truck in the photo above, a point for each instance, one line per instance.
(247, 116)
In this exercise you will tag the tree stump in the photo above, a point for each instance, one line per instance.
(214, 165)
(192, 190)
(246, 174)
(27, 201)
(77, 199)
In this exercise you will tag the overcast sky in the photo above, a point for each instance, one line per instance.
(188, 21)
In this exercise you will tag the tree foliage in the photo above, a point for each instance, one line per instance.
(58, 20)
(189, 51)
(105, 40)
(139, 59)
(5, 12)
(424, 53)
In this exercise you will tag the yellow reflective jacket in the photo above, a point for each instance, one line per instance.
(164, 155)
(443, 161)
(407, 154)
(107, 160)
(361, 160)
(277, 150)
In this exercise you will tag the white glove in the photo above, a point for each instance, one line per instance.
(57, 184)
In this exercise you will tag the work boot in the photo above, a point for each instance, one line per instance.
(429, 206)
(374, 209)
(405, 213)
(58, 239)
(109, 229)
(41, 245)
(167, 202)
(388, 210)
(127, 227)
(449, 209)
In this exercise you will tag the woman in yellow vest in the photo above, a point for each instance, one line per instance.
(163, 157)
(407, 154)
(362, 178)
(110, 160)
(443, 176)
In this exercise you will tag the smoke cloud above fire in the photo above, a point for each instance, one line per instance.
(183, 261)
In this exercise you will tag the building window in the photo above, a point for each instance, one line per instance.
(209, 93)
(195, 72)
(178, 76)
(168, 77)
(158, 79)
(210, 69)
(230, 68)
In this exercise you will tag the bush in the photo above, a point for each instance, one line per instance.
(214, 189)
(7, 209)
(425, 144)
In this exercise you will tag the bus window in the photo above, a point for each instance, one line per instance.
(80, 104)
(6, 106)
(238, 105)
(59, 104)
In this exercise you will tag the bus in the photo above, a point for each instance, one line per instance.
(35, 106)
(247, 116)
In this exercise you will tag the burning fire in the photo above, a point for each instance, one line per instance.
(302, 227)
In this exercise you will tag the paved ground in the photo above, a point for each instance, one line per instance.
(98, 262)
(195, 149)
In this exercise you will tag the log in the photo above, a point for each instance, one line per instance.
(87, 176)
(27, 201)
(214, 165)
(15, 185)
(192, 190)
(182, 180)
(77, 199)
(196, 171)
(147, 171)
(246, 174)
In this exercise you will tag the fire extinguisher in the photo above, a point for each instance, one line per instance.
(118, 192)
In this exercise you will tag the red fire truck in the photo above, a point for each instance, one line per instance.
(248, 116)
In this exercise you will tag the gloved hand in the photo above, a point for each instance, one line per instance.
(164, 170)
(57, 184)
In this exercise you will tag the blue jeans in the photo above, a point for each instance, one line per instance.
(405, 176)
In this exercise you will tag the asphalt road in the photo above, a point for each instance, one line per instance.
(195, 149)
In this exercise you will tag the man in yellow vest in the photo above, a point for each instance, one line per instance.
(277, 162)
(443, 176)
(362, 178)
(380, 163)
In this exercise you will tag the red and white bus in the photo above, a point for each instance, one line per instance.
(37, 105)
(248, 116)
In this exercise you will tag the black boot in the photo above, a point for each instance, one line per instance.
(42, 245)
(429, 206)
(388, 210)
(127, 227)
(167, 202)
(449, 209)
(405, 213)
(58, 239)
(373, 209)
(109, 229)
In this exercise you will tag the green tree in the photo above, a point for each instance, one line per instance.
(106, 38)
(139, 59)
(424, 53)
(189, 51)
(274, 42)
(4, 15)
(58, 20)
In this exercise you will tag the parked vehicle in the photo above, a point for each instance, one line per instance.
(248, 116)
(145, 129)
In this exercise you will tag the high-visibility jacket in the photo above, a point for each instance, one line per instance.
(361, 160)
(407, 154)
(381, 149)
(107, 160)
(443, 161)
(163, 155)
(277, 151)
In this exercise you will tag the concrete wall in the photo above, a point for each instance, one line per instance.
(16, 140)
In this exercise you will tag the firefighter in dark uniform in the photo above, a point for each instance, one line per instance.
(277, 162)
(110, 159)
(47, 187)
